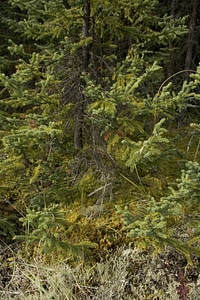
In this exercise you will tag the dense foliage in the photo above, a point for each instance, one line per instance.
(99, 125)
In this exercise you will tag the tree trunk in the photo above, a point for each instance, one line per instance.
(85, 33)
(79, 114)
(173, 8)
(191, 37)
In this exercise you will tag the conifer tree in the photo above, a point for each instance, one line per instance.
(87, 84)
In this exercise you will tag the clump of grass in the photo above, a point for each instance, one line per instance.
(127, 274)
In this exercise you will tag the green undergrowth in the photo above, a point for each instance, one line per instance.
(91, 217)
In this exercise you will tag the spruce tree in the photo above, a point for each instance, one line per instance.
(86, 95)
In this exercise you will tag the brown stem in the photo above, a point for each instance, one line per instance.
(191, 36)
(78, 134)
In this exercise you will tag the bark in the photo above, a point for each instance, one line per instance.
(79, 115)
(191, 37)
(173, 8)
(85, 33)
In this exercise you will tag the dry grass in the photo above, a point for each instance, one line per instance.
(126, 274)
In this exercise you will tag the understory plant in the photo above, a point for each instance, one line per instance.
(173, 219)
(48, 227)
